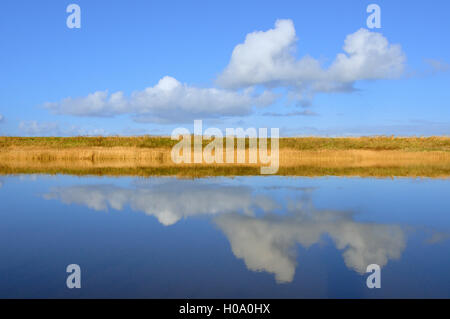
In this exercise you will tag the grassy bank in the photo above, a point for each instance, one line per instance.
(434, 143)
(150, 156)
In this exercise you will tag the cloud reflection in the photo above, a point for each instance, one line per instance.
(266, 241)
(168, 202)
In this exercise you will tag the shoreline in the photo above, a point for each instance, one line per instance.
(382, 157)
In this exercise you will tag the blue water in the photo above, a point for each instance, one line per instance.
(243, 237)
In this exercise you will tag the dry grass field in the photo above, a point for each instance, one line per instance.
(150, 156)
(433, 143)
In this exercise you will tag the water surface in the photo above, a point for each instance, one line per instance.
(241, 237)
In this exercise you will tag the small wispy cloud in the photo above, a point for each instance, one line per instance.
(436, 66)
(299, 113)
(406, 128)
(437, 237)
(35, 128)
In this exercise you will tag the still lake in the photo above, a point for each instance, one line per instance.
(222, 237)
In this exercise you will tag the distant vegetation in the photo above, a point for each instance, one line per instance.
(435, 143)
(83, 141)
(151, 156)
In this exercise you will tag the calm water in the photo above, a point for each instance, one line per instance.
(262, 237)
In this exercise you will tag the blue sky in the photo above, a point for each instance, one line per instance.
(130, 46)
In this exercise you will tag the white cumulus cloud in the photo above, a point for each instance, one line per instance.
(169, 100)
(264, 61)
(268, 58)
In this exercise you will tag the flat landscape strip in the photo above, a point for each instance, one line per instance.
(136, 161)
(433, 143)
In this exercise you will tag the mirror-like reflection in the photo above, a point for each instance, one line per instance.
(168, 202)
(268, 243)
(271, 225)
(265, 242)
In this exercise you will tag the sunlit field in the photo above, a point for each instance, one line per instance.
(151, 156)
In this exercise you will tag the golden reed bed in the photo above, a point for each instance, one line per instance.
(156, 161)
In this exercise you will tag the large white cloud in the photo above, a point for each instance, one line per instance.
(169, 100)
(369, 56)
(268, 58)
